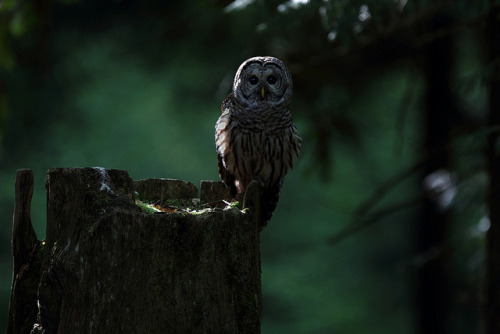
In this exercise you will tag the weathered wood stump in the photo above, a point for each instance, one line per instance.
(108, 267)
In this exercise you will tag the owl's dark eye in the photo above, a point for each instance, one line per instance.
(253, 80)
(272, 79)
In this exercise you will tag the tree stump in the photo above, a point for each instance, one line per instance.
(108, 267)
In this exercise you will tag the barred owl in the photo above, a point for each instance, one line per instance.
(255, 136)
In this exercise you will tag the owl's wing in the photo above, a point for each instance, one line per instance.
(226, 104)
(225, 176)
(220, 129)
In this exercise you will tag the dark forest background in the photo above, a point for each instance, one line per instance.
(388, 223)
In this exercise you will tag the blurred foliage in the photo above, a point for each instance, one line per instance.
(137, 85)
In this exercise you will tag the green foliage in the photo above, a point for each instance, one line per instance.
(23, 20)
(6, 55)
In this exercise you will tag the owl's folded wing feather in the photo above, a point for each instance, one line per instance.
(226, 176)
(221, 145)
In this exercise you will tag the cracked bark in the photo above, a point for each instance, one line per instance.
(108, 267)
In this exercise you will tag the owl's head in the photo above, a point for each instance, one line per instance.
(263, 80)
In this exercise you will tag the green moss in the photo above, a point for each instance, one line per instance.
(147, 207)
(234, 204)
(197, 211)
(180, 203)
(178, 206)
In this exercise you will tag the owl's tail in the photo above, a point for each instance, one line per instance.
(269, 200)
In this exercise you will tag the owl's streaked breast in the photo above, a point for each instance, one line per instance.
(250, 152)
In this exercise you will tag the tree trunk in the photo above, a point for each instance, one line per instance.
(27, 259)
(493, 235)
(108, 267)
(433, 278)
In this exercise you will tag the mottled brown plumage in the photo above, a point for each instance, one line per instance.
(255, 136)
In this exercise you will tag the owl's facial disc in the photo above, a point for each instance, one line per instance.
(263, 80)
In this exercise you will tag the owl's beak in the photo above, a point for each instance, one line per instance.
(263, 92)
